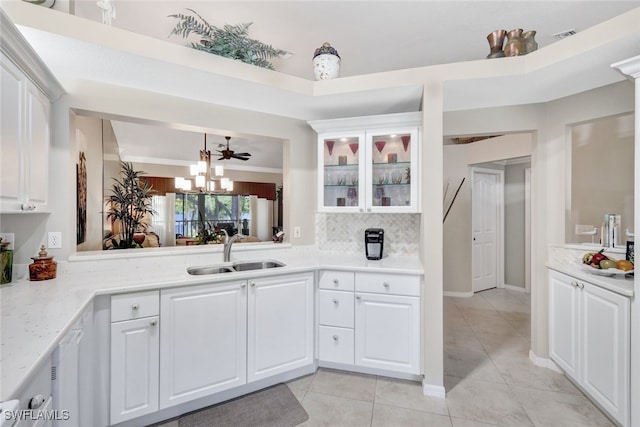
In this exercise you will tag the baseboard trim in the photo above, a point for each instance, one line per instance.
(514, 288)
(458, 294)
(544, 362)
(433, 390)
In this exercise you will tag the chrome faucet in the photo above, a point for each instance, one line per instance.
(228, 241)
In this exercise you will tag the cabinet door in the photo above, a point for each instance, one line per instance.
(134, 368)
(563, 323)
(605, 323)
(341, 172)
(203, 341)
(11, 134)
(392, 170)
(280, 330)
(387, 332)
(37, 129)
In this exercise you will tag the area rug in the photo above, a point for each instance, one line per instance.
(272, 407)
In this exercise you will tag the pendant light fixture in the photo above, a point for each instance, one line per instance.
(201, 173)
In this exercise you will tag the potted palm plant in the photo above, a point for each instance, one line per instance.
(129, 204)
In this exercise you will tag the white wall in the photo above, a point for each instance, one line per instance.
(601, 174)
(514, 229)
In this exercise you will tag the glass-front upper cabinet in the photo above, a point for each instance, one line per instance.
(341, 172)
(369, 164)
(391, 165)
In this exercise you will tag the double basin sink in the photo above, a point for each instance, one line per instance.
(234, 267)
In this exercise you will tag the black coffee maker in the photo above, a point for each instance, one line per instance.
(374, 242)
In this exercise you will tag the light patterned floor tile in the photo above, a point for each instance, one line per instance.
(407, 394)
(392, 416)
(473, 365)
(344, 384)
(332, 411)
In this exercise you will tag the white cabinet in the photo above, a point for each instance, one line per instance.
(280, 325)
(134, 359)
(589, 337)
(387, 323)
(371, 322)
(369, 164)
(202, 341)
(24, 142)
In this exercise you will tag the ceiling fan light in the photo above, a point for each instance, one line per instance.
(211, 186)
(230, 186)
(219, 170)
(178, 181)
(200, 181)
(186, 185)
(193, 169)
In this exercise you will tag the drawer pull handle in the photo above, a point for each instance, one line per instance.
(581, 285)
(335, 301)
(253, 284)
(386, 285)
(135, 306)
(153, 323)
(244, 285)
(336, 338)
(358, 298)
(335, 282)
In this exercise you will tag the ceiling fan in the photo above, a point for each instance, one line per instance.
(228, 154)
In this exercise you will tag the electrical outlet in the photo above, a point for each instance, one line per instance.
(296, 232)
(54, 240)
(9, 237)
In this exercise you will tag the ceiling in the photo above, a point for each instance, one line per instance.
(370, 36)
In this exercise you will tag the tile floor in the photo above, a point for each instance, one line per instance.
(488, 376)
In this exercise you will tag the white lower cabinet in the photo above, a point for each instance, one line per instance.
(202, 341)
(373, 323)
(387, 332)
(134, 368)
(589, 337)
(280, 329)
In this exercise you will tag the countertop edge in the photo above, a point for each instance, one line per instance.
(611, 284)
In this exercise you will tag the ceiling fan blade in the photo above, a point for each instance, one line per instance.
(237, 156)
(222, 158)
(243, 154)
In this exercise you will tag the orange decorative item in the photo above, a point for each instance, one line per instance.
(43, 266)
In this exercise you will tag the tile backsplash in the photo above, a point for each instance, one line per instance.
(345, 232)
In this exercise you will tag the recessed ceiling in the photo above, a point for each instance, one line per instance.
(370, 36)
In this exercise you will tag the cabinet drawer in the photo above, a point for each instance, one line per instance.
(394, 284)
(336, 280)
(335, 345)
(336, 308)
(134, 306)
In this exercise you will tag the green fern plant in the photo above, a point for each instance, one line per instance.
(230, 41)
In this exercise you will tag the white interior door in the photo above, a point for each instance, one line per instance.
(486, 222)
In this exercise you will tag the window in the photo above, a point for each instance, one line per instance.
(194, 211)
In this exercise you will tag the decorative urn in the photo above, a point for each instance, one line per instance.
(43, 266)
(326, 62)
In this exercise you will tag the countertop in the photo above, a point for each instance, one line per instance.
(622, 285)
(35, 316)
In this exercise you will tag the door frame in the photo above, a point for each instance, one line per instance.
(499, 222)
(527, 230)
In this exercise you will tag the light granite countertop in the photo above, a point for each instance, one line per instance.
(35, 316)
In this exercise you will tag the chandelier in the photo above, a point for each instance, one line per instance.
(201, 172)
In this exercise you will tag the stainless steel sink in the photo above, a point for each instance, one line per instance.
(235, 267)
(212, 269)
(256, 265)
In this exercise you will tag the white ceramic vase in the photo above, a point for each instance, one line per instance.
(326, 63)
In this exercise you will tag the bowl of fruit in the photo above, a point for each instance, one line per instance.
(599, 263)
